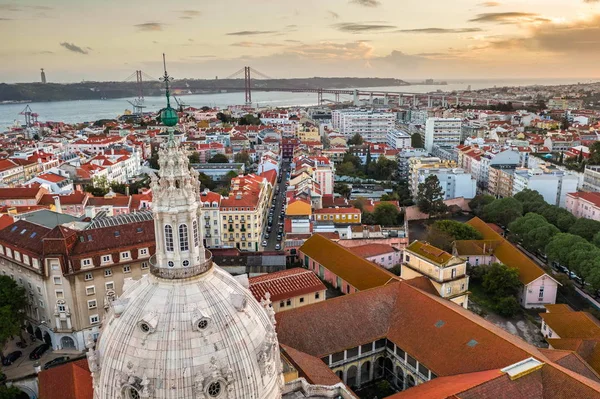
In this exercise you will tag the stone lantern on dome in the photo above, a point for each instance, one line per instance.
(168, 115)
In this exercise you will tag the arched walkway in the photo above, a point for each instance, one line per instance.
(47, 338)
(351, 376)
(410, 381)
(365, 372)
(400, 378)
(340, 374)
(388, 370)
(38, 333)
(67, 343)
(379, 368)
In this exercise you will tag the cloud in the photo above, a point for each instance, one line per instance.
(440, 30)
(251, 32)
(189, 14)
(509, 17)
(74, 48)
(490, 4)
(255, 44)
(361, 27)
(332, 51)
(9, 7)
(333, 14)
(5, 19)
(149, 27)
(366, 3)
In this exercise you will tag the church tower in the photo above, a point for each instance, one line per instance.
(187, 330)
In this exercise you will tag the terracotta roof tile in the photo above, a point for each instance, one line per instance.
(285, 284)
(69, 381)
(428, 251)
(368, 250)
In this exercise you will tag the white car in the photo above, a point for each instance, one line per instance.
(264, 243)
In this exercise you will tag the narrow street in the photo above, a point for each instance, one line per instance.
(279, 203)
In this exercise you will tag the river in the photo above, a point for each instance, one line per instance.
(91, 110)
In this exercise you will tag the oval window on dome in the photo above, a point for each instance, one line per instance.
(214, 389)
(186, 263)
(133, 393)
(171, 263)
(145, 327)
(202, 324)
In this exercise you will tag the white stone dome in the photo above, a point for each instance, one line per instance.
(200, 337)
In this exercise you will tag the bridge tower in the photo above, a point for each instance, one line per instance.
(248, 86)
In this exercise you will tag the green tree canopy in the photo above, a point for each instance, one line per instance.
(206, 181)
(219, 158)
(557, 216)
(342, 189)
(430, 197)
(594, 158)
(349, 157)
(356, 139)
(457, 230)
(194, 157)
(386, 214)
(501, 281)
(249, 119)
(479, 201)
(560, 247)
(11, 392)
(586, 228)
(502, 211)
(346, 169)
(416, 141)
(242, 157)
(531, 200)
(13, 302)
(533, 231)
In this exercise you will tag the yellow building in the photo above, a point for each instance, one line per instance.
(338, 215)
(308, 133)
(414, 164)
(243, 211)
(298, 208)
(447, 273)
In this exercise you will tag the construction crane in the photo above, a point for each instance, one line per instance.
(30, 116)
(180, 103)
(138, 103)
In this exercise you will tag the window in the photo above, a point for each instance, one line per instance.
(288, 302)
(302, 300)
(110, 285)
(57, 280)
(125, 255)
(90, 290)
(18, 256)
(144, 252)
(61, 307)
(126, 269)
(106, 258)
(541, 294)
(26, 259)
(453, 273)
(316, 295)
(168, 238)
(94, 319)
(8, 252)
(59, 294)
(107, 272)
(195, 231)
(448, 290)
(407, 258)
(86, 262)
(281, 304)
(92, 304)
(88, 277)
(144, 265)
(183, 238)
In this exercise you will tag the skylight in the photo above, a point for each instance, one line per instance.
(13, 229)
(440, 323)
(23, 231)
(472, 343)
(33, 234)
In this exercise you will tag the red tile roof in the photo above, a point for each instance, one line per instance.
(285, 284)
(69, 381)
(368, 250)
(51, 177)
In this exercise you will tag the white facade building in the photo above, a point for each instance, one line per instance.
(444, 132)
(553, 186)
(398, 139)
(373, 126)
(455, 182)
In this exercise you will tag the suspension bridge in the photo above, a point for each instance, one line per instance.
(355, 96)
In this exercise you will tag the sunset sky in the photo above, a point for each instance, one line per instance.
(78, 40)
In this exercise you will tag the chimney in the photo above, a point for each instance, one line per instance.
(58, 208)
(127, 190)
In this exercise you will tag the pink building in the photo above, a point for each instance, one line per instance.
(584, 205)
(382, 254)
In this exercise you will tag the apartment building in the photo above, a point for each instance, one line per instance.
(584, 205)
(442, 132)
(337, 215)
(551, 183)
(403, 157)
(447, 273)
(210, 224)
(69, 274)
(415, 164)
(591, 178)
(243, 212)
(372, 125)
(398, 139)
(320, 168)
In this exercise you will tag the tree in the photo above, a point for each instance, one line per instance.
(559, 247)
(502, 211)
(99, 186)
(227, 179)
(13, 302)
(594, 158)
(501, 281)
(586, 228)
(225, 118)
(533, 231)
(479, 201)
(194, 157)
(206, 181)
(219, 158)
(416, 141)
(457, 230)
(242, 157)
(249, 119)
(439, 238)
(153, 160)
(531, 200)
(507, 306)
(356, 139)
(342, 189)
(430, 198)
(386, 214)
(349, 157)
(11, 392)
(346, 169)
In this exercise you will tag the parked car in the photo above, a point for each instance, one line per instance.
(267, 235)
(269, 228)
(264, 243)
(279, 237)
(277, 246)
(38, 352)
(56, 362)
(11, 358)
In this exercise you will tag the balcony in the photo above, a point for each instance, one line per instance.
(243, 228)
(243, 220)
(243, 238)
(207, 235)
(179, 273)
(207, 225)
(207, 217)
(230, 220)
(230, 227)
